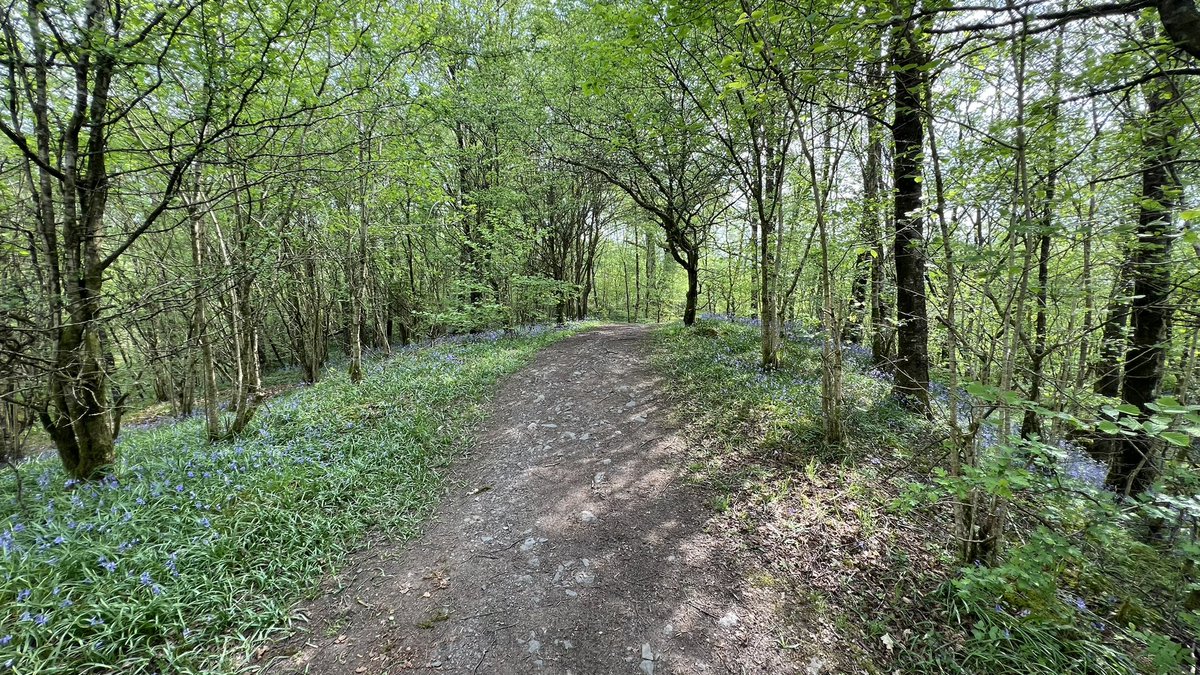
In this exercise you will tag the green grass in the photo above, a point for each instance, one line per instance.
(1076, 591)
(803, 506)
(194, 553)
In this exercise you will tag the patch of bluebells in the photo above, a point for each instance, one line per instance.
(146, 526)
(1077, 465)
(75, 518)
(498, 334)
(857, 356)
(795, 389)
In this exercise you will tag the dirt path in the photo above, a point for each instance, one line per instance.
(567, 542)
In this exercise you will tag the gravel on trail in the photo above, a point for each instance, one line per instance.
(568, 541)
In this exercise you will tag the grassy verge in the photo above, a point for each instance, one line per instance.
(852, 574)
(193, 553)
(857, 538)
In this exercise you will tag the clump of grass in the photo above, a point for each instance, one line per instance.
(191, 553)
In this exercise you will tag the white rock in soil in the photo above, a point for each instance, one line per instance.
(647, 659)
(729, 620)
(587, 517)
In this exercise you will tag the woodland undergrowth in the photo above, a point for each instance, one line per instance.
(192, 554)
(856, 540)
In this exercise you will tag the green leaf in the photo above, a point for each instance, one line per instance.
(1170, 405)
(1176, 438)
(980, 391)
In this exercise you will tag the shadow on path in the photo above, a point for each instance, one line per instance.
(567, 542)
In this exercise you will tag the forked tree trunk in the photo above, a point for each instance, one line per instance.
(200, 328)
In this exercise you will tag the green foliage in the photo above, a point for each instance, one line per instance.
(192, 553)
(1077, 590)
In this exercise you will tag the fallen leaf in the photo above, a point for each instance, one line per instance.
(888, 642)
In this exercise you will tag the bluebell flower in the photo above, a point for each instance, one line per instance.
(5, 641)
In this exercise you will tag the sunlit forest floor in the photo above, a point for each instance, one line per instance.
(568, 540)
(193, 553)
(193, 557)
(856, 540)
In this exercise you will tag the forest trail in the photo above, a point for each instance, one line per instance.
(567, 541)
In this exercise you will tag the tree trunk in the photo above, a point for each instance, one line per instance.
(693, 289)
(1135, 468)
(1030, 425)
(212, 419)
(359, 273)
(912, 335)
